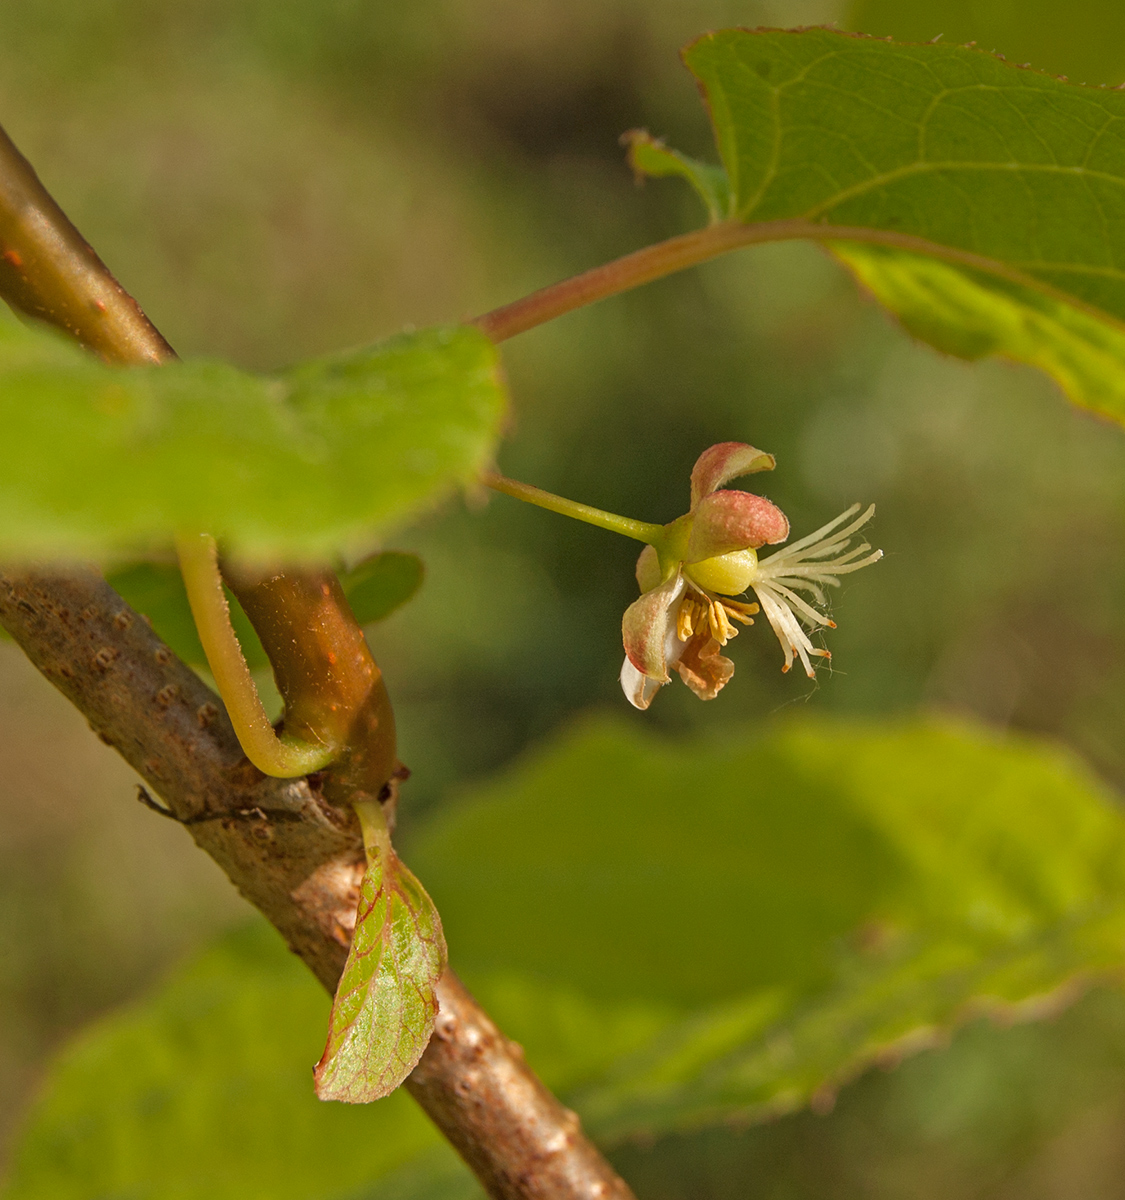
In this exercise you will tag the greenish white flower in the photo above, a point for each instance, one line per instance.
(690, 576)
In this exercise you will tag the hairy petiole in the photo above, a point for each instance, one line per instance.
(283, 757)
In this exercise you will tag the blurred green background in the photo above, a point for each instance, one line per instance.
(275, 180)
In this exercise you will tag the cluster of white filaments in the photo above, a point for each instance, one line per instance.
(809, 565)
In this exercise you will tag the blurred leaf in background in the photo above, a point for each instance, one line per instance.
(375, 588)
(678, 934)
(216, 1074)
(156, 590)
(1084, 40)
(382, 583)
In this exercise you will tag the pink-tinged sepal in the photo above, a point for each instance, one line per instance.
(649, 625)
(648, 569)
(726, 461)
(726, 521)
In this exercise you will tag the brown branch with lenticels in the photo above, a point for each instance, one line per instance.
(292, 847)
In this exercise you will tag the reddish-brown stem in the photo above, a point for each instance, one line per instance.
(293, 849)
(690, 249)
(642, 266)
(49, 272)
(332, 688)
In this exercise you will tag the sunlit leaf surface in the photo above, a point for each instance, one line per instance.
(315, 461)
(1013, 178)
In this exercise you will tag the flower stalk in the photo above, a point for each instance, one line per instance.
(641, 531)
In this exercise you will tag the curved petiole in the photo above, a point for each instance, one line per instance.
(283, 757)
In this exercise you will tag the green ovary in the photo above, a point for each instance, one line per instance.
(726, 574)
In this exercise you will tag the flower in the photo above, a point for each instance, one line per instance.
(689, 575)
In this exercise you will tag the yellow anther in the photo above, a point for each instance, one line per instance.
(729, 630)
(685, 620)
(740, 610)
(713, 621)
(721, 629)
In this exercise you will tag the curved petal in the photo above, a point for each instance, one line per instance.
(703, 668)
(639, 689)
(726, 461)
(726, 521)
(646, 627)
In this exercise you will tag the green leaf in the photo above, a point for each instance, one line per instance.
(382, 583)
(963, 313)
(1012, 179)
(203, 1092)
(683, 934)
(375, 588)
(157, 591)
(318, 460)
(677, 933)
(650, 156)
(385, 1006)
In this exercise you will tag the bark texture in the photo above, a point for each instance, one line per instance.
(299, 860)
(296, 856)
(471, 1079)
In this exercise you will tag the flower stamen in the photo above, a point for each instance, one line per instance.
(701, 611)
(686, 618)
(809, 565)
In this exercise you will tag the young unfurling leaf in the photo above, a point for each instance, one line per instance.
(384, 1010)
(650, 156)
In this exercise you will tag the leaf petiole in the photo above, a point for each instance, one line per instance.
(283, 757)
(376, 834)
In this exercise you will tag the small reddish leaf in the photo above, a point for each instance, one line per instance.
(385, 1006)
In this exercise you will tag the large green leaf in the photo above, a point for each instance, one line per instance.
(677, 933)
(729, 928)
(205, 1092)
(103, 461)
(1012, 179)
